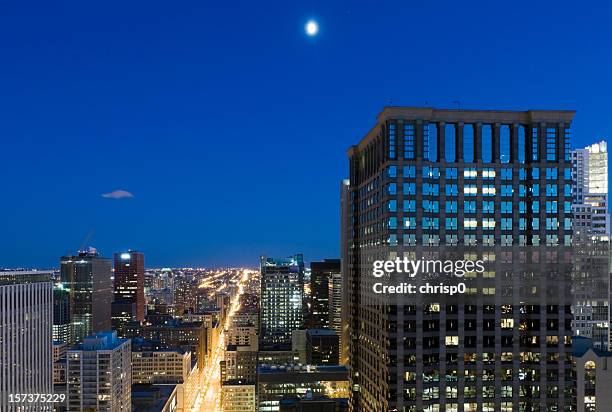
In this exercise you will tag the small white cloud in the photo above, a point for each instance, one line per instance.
(118, 194)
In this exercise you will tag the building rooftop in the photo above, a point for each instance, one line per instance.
(238, 382)
(321, 332)
(581, 345)
(14, 277)
(464, 115)
(299, 368)
(100, 341)
(150, 398)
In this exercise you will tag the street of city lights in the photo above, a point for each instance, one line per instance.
(209, 398)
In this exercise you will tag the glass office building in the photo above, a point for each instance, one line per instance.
(282, 295)
(489, 186)
(86, 278)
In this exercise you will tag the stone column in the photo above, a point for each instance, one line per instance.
(459, 141)
(495, 152)
(418, 139)
(441, 142)
(478, 142)
(514, 143)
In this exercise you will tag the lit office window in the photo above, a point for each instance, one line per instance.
(470, 173)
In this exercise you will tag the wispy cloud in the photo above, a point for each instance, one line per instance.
(118, 194)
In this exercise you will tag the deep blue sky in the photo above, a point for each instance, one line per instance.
(230, 126)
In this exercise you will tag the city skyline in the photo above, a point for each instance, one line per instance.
(271, 94)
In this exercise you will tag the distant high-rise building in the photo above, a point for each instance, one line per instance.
(590, 191)
(462, 185)
(282, 291)
(591, 238)
(335, 302)
(123, 312)
(129, 281)
(99, 374)
(26, 336)
(87, 278)
(61, 313)
(321, 273)
(345, 220)
(59, 362)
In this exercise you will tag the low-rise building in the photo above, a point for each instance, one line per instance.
(240, 363)
(241, 335)
(275, 383)
(238, 396)
(593, 375)
(322, 347)
(160, 366)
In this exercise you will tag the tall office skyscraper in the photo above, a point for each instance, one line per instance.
(335, 302)
(129, 281)
(467, 186)
(345, 220)
(87, 278)
(590, 190)
(26, 336)
(320, 278)
(99, 374)
(61, 313)
(282, 293)
(591, 244)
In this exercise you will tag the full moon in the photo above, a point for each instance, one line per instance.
(312, 28)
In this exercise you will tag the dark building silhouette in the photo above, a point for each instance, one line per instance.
(320, 280)
(322, 347)
(129, 281)
(61, 313)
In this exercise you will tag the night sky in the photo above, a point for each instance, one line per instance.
(229, 126)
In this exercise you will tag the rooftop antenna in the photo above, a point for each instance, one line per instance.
(87, 238)
(458, 103)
